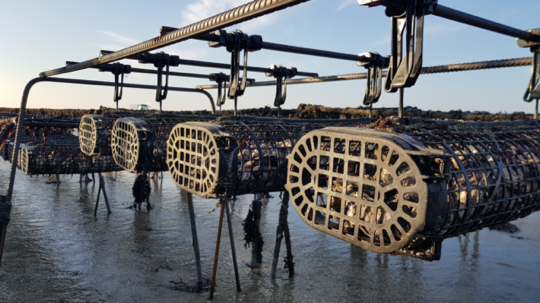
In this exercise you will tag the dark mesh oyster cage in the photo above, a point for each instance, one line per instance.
(366, 187)
(140, 145)
(62, 159)
(234, 157)
(355, 185)
(94, 134)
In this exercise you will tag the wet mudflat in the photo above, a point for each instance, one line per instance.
(56, 250)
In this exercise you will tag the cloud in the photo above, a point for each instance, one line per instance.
(124, 41)
(344, 4)
(202, 9)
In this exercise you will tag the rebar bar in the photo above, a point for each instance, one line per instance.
(425, 70)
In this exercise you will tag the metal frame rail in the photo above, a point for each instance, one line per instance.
(481, 65)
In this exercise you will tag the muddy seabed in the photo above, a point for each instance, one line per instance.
(56, 250)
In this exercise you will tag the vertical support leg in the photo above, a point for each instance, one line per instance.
(216, 256)
(536, 110)
(97, 201)
(195, 239)
(256, 247)
(235, 105)
(401, 96)
(102, 186)
(233, 249)
(3, 231)
(283, 231)
(100, 189)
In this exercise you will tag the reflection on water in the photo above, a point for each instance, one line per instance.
(57, 250)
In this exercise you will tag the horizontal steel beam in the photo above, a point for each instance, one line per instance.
(296, 50)
(154, 72)
(217, 65)
(425, 70)
(236, 15)
(458, 16)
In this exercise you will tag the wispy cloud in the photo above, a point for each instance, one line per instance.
(202, 9)
(345, 3)
(124, 41)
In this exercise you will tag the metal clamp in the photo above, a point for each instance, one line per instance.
(405, 65)
(161, 61)
(118, 70)
(374, 79)
(281, 74)
(221, 80)
(533, 90)
(236, 42)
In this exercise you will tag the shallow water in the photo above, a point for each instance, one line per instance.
(56, 250)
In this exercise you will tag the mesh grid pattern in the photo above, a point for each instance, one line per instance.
(362, 188)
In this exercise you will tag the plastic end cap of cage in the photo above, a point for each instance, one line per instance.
(89, 129)
(128, 143)
(193, 157)
(364, 187)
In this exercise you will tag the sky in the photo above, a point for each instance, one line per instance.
(42, 35)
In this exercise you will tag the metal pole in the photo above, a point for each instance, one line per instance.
(400, 109)
(154, 72)
(458, 16)
(102, 185)
(236, 15)
(296, 50)
(3, 232)
(220, 65)
(233, 249)
(216, 255)
(536, 110)
(195, 238)
(425, 70)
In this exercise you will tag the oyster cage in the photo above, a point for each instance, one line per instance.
(383, 196)
(140, 145)
(62, 159)
(233, 157)
(369, 188)
(94, 134)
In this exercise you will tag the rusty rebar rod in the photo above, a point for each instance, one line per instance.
(481, 65)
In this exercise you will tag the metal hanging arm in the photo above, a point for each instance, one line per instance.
(118, 70)
(282, 74)
(237, 42)
(374, 76)
(221, 80)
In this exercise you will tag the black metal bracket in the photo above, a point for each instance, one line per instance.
(533, 90)
(162, 62)
(375, 74)
(118, 70)
(281, 74)
(221, 80)
(236, 42)
(407, 18)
